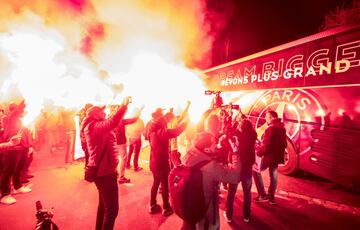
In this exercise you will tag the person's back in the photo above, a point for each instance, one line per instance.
(101, 144)
(159, 135)
(100, 137)
(213, 174)
(246, 145)
(274, 141)
(243, 145)
(134, 132)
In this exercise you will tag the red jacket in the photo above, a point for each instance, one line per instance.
(100, 139)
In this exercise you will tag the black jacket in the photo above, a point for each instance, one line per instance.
(273, 143)
(159, 135)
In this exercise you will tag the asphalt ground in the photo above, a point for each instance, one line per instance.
(301, 201)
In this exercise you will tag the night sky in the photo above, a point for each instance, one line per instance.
(250, 26)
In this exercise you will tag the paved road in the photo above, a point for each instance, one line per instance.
(75, 200)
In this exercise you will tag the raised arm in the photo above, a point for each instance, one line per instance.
(171, 133)
(184, 113)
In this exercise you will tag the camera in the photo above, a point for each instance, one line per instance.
(44, 217)
(217, 100)
(236, 107)
(211, 92)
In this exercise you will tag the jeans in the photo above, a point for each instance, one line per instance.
(70, 147)
(246, 182)
(12, 168)
(108, 206)
(134, 147)
(188, 226)
(273, 174)
(122, 160)
(164, 191)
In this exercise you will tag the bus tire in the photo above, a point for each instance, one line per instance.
(291, 160)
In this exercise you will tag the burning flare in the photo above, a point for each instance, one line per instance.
(70, 52)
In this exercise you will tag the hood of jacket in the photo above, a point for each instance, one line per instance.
(194, 156)
(277, 123)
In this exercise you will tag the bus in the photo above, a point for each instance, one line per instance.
(314, 85)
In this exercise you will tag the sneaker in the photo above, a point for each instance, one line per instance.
(154, 208)
(272, 202)
(246, 220)
(22, 189)
(261, 198)
(128, 166)
(137, 169)
(8, 200)
(227, 218)
(124, 180)
(167, 212)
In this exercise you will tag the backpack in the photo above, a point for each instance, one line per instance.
(186, 192)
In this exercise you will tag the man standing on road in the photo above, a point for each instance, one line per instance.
(134, 132)
(159, 136)
(101, 144)
(174, 121)
(272, 151)
(121, 142)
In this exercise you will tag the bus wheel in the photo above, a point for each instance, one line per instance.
(291, 159)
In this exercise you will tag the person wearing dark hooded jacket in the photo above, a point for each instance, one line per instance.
(213, 173)
(100, 140)
(206, 148)
(272, 151)
(243, 144)
(159, 136)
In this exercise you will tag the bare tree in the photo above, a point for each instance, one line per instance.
(342, 15)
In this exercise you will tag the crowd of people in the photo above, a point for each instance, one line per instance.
(16, 154)
(226, 141)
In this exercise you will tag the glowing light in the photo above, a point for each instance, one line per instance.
(313, 158)
(263, 100)
(68, 55)
(156, 83)
(307, 118)
(39, 78)
(292, 107)
(341, 112)
(320, 113)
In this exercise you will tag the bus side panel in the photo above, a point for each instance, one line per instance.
(334, 151)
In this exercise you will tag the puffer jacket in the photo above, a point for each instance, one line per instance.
(100, 139)
(159, 135)
(213, 173)
(273, 143)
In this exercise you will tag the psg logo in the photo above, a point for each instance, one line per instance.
(296, 107)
